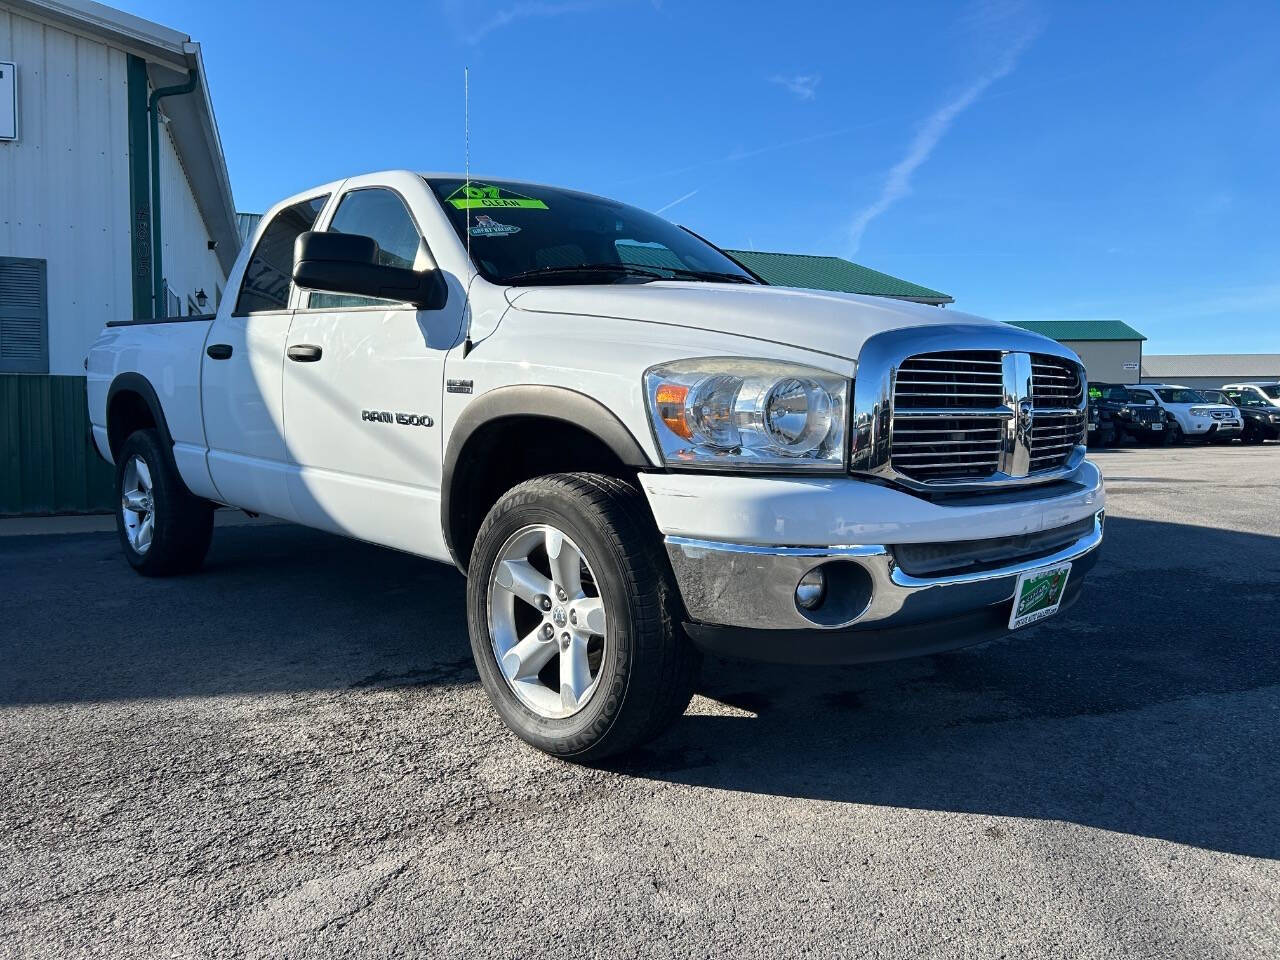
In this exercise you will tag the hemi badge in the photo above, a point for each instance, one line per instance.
(458, 386)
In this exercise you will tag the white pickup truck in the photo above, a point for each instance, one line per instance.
(633, 448)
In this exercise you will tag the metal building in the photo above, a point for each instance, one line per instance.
(1212, 370)
(114, 203)
(1111, 349)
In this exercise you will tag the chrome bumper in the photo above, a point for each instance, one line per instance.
(739, 585)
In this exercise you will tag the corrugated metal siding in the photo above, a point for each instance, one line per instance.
(189, 264)
(47, 464)
(64, 185)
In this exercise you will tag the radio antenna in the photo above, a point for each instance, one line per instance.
(466, 194)
(466, 121)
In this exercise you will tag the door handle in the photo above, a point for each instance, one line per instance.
(219, 351)
(304, 352)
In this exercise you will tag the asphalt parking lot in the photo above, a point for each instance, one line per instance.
(290, 755)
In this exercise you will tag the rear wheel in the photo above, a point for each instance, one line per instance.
(574, 618)
(163, 529)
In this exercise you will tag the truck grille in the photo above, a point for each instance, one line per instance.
(938, 430)
(1056, 385)
(941, 428)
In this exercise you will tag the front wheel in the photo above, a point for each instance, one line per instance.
(1173, 435)
(163, 528)
(574, 618)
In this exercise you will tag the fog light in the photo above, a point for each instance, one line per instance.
(811, 590)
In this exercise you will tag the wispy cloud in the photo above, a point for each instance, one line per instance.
(803, 85)
(474, 28)
(990, 18)
(677, 201)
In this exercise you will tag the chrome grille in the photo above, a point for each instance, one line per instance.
(941, 430)
(1057, 392)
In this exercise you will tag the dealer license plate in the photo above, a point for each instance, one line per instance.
(1093, 426)
(1157, 426)
(1038, 594)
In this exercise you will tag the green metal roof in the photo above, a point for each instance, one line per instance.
(833, 273)
(1081, 329)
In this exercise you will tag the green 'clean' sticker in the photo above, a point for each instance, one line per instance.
(475, 196)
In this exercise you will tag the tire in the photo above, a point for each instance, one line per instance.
(1173, 435)
(1253, 436)
(169, 531)
(643, 673)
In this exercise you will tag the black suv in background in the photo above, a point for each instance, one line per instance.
(1261, 419)
(1129, 416)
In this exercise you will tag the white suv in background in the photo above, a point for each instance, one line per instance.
(1268, 393)
(1189, 415)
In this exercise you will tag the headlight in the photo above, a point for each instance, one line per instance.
(1201, 412)
(748, 414)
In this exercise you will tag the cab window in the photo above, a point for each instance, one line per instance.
(381, 214)
(269, 275)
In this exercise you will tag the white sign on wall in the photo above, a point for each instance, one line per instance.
(1131, 364)
(8, 101)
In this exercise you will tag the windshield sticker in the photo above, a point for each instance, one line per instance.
(475, 196)
(486, 226)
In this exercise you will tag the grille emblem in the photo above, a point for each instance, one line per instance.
(1015, 458)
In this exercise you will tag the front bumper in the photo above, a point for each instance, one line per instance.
(739, 587)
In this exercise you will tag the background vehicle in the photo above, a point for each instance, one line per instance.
(1261, 419)
(1103, 428)
(1136, 417)
(592, 413)
(1267, 392)
(1188, 415)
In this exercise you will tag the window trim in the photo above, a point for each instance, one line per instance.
(40, 366)
(325, 199)
(304, 298)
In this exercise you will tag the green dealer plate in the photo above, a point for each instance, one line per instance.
(1038, 594)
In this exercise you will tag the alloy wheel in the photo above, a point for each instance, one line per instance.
(137, 504)
(547, 623)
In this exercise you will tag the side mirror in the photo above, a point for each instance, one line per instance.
(347, 263)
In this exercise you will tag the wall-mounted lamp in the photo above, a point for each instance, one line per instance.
(201, 298)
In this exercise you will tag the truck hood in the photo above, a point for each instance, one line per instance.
(832, 323)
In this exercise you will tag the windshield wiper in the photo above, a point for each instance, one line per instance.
(622, 269)
(714, 275)
(630, 270)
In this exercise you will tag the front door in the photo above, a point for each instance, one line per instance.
(363, 387)
(241, 388)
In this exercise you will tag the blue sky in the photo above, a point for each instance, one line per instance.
(1070, 160)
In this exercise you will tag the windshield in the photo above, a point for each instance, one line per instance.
(1180, 395)
(525, 234)
(1216, 396)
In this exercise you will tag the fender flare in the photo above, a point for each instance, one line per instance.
(136, 383)
(534, 400)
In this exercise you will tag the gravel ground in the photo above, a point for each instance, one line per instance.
(289, 755)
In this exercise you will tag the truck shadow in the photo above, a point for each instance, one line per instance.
(1150, 708)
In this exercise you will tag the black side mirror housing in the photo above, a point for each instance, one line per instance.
(348, 263)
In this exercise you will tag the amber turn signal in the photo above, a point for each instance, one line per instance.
(670, 403)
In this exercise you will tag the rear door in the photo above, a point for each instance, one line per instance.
(241, 382)
(363, 386)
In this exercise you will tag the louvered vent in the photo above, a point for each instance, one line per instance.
(23, 316)
(939, 432)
